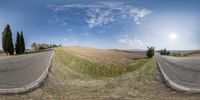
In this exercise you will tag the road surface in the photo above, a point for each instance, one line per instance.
(184, 71)
(22, 70)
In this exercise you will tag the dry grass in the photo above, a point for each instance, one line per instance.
(2, 53)
(194, 54)
(65, 84)
(189, 53)
(96, 68)
(105, 55)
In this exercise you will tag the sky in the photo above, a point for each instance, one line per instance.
(110, 24)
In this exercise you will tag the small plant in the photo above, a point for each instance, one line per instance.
(150, 52)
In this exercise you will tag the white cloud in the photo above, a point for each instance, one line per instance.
(57, 19)
(85, 34)
(139, 13)
(132, 42)
(102, 13)
(70, 41)
(98, 18)
(66, 39)
(69, 31)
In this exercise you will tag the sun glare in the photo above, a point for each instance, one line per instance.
(173, 36)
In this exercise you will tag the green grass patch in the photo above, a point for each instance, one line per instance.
(96, 69)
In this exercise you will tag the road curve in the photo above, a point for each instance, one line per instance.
(182, 73)
(23, 72)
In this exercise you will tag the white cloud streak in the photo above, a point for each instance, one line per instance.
(132, 42)
(104, 12)
(85, 34)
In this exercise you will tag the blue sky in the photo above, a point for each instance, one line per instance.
(120, 24)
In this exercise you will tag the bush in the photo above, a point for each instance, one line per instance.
(150, 52)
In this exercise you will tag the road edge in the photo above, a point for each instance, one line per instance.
(30, 86)
(174, 85)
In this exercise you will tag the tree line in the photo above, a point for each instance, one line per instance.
(7, 42)
(150, 52)
(41, 46)
(164, 52)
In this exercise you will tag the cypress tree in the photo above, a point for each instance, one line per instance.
(7, 42)
(18, 44)
(22, 43)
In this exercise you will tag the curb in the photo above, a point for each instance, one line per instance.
(174, 85)
(30, 86)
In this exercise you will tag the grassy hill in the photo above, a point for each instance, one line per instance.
(78, 75)
(98, 62)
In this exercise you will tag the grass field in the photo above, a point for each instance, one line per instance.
(105, 55)
(186, 53)
(97, 68)
(65, 83)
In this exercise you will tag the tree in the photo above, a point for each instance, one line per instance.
(18, 44)
(60, 45)
(164, 52)
(54, 45)
(150, 52)
(22, 45)
(7, 42)
(34, 46)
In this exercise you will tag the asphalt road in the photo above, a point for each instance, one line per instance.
(184, 71)
(19, 71)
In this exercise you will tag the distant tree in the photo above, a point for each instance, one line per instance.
(168, 53)
(150, 52)
(50, 46)
(164, 52)
(41, 46)
(18, 44)
(34, 46)
(161, 52)
(7, 42)
(22, 43)
(54, 45)
(60, 45)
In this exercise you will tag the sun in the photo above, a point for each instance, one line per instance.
(173, 36)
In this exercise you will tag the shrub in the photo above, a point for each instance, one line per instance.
(150, 52)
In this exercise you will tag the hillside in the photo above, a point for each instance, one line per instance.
(106, 55)
(100, 62)
(143, 82)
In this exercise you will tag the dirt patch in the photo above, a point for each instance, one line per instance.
(194, 55)
(106, 55)
(2, 54)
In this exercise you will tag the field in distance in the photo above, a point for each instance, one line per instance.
(100, 62)
(106, 55)
(186, 53)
